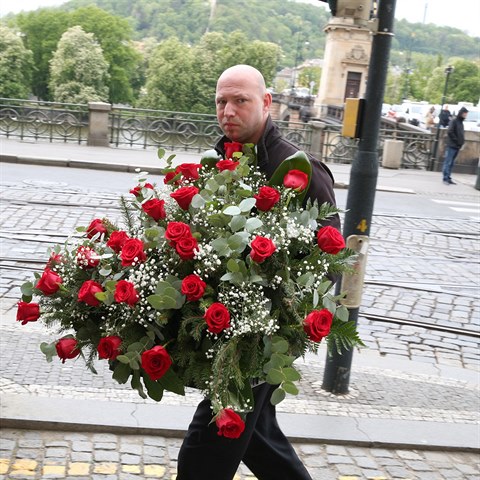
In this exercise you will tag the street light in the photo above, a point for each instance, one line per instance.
(433, 159)
(297, 60)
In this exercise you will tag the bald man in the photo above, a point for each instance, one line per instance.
(242, 104)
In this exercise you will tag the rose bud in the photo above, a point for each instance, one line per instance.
(109, 347)
(266, 198)
(55, 259)
(49, 282)
(154, 208)
(229, 423)
(193, 287)
(156, 362)
(27, 312)
(227, 165)
(125, 293)
(87, 257)
(330, 240)
(87, 292)
(67, 348)
(317, 324)
(117, 240)
(96, 226)
(296, 180)
(138, 189)
(184, 195)
(132, 252)
(169, 177)
(262, 248)
(217, 317)
(231, 148)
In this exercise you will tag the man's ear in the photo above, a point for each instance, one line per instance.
(267, 101)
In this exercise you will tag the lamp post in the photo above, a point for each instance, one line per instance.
(433, 158)
(297, 60)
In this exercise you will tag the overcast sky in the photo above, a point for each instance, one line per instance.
(463, 14)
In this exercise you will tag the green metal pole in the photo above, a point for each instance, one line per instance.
(363, 174)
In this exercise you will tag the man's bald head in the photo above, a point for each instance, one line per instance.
(246, 72)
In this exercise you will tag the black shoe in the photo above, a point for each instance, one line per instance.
(451, 182)
(446, 182)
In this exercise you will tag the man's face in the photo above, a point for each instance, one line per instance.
(242, 108)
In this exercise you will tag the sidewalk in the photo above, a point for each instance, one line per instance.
(393, 402)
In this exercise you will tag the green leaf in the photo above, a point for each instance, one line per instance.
(160, 153)
(342, 313)
(231, 210)
(101, 296)
(291, 374)
(27, 289)
(290, 388)
(252, 224)
(49, 350)
(329, 304)
(136, 384)
(161, 302)
(197, 201)
(221, 246)
(123, 359)
(279, 345)
(218, 220)
(237, 222)
(154, 389)
(316, 298)
(232, 265)
(136, 347)
(278, 396)
(247, 204)
(171, 382)
(237, 242)
(122, 372)
(275, 377)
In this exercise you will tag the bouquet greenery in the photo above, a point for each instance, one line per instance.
(217, 278)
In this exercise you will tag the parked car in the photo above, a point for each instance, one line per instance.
(472, 122)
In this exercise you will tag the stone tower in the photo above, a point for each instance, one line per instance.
(347, 54)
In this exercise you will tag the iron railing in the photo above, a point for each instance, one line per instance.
(26, 119)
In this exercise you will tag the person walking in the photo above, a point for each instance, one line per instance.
(242, 105)
(455, 141)
(430, 118)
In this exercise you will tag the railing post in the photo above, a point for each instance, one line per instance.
(318, 132)
(98, 124)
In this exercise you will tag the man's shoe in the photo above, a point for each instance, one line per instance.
(446, 182)
(451, 182)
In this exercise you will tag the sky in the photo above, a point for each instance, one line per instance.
(462, 14)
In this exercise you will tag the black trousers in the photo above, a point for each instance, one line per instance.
(263, 447)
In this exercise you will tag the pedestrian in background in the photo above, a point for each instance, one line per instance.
(430, 118)
(444, 117)
(455, 141)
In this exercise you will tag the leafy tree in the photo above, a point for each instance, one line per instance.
(310, 74)
(16, 64)
(79, 72)
(41, 31)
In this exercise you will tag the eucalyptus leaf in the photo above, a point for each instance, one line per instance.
(231, 210)
(122, 372)
(154, 389)
(252, 224)
(247, 204)
(237, 223)
(275, 376)
(290, 388)
(291, 374)
(342, 313)
(49, 350)
(278, 396)
(197, 201)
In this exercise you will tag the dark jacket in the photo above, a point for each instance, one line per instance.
(273, 148)
(456, 132)
(444, 118)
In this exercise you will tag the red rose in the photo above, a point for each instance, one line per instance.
(27, 312)
(87, 292)
(231, 148)
(330, 240)
(67, 348)
(96, 226)
(266, 198)
(177, 230)
(189, 170)
(156, 362)
(227, 165)
(217, 317)
(184, 196)
(186, 247)
(169, 176)
(87, 257)
(132, 252)
(296, 180)
(193, 287)
(125, 293)
(108, 347)
(117, 240)
(138, 189)
(49, 282)
(229, 423)
(154, 208)
(262, 248)
(317, 324)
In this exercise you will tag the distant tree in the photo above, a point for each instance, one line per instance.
(41, 31)
(310, 74)
(16, 64)
(79, 72)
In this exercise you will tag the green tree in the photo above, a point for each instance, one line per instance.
(41, 31)
(310, 74)
(16, 64)
(79, 72)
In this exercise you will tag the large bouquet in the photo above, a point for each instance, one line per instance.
(216, 278)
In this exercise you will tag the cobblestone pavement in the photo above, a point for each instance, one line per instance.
(418, 269)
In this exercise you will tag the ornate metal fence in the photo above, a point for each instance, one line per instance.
(43, 120)
(181, 130)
